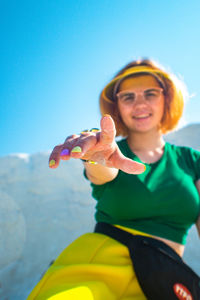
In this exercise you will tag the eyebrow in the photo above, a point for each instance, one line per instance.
(131, 92)
(128, 93)
(151, 89)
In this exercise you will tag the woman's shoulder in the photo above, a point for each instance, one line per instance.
(187, 156)
(183, 150)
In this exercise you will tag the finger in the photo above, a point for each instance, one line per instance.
(108, 130)
(70, 137)
(83, 146)
(65, 153)
(85, 132)
(127, 165)
(68, 145)
(94, 130)
(54, 157)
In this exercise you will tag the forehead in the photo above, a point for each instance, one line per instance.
(144, 81)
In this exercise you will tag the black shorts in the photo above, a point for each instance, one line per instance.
(161, 272)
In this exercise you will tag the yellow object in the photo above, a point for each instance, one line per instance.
(94, 130)
(92, 162)
(85, 131)
(93, 267)
(52, 163)
(76, 149)
(81, 292)
(133, 231)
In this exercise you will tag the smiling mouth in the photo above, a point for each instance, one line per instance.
(143, 116)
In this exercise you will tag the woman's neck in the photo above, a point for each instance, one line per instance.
(147, 141)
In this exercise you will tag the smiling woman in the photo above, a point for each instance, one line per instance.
(147, 194)
(147, 109)
(172, 88)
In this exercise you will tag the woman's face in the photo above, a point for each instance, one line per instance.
(141, 103)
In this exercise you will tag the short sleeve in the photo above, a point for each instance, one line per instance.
(97, 190)
(194, 159)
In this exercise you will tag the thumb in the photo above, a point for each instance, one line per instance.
(108, 130)
(127, 165)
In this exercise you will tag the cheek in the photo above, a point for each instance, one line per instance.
(123, 110)
(163, 108)
(160, 108)
(119, 110)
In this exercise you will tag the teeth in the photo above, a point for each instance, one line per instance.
(141, 116)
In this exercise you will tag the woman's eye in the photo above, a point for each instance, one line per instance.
(151, 95)
(128, 97)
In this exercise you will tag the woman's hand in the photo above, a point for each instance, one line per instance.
(98, 147)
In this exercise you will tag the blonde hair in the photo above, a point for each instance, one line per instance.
(173, 91)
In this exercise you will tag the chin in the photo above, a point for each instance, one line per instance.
(143, 126)
(143, 129)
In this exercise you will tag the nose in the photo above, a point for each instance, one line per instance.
(139, 99)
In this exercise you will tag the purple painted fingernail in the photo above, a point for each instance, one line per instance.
(64, 152)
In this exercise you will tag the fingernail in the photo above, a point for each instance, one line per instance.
(94, 130)
(84, 131)
(106, 115)
(92, 162)
(145, 168)
(52, 163)
(64, 152)
(76, 149)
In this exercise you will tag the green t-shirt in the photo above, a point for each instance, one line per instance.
(162, 201)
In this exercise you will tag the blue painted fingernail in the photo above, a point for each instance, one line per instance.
(64, 152)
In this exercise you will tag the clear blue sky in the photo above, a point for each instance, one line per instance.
(56, 56)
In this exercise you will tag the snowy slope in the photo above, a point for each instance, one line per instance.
(43, 210)
(187, 136)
